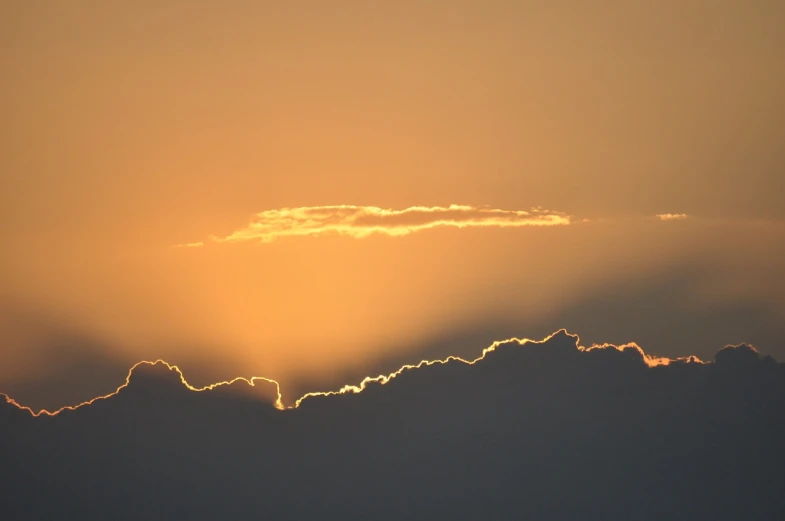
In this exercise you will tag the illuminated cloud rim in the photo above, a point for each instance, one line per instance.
(363, 221)
(672, 216)
(648, 360)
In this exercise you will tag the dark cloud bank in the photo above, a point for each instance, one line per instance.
(540, 431)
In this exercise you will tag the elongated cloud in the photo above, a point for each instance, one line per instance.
(362, 221)
(672, 216)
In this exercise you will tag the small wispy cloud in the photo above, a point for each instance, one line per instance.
(363, 221)
(672, 216)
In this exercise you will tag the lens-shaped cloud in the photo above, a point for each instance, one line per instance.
(362, 221)
(672, 216)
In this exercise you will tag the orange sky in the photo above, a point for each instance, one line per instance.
(129, 129)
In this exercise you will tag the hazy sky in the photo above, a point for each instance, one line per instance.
(127, 129)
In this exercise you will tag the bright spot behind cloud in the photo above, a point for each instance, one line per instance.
(362, 221)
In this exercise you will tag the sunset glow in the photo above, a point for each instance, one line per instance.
(357, 201)
(317, 192)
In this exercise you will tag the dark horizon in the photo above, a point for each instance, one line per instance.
(542, 430)
(276, 395)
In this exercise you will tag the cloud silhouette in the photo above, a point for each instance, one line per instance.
(55, 361)
(529, 430)
(655, 310)
(172, 374)
(362, 221)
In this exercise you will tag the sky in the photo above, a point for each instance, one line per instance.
(319, 191)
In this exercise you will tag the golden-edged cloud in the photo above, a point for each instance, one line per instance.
(672, 216)
(730, 353)
(363, 221)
